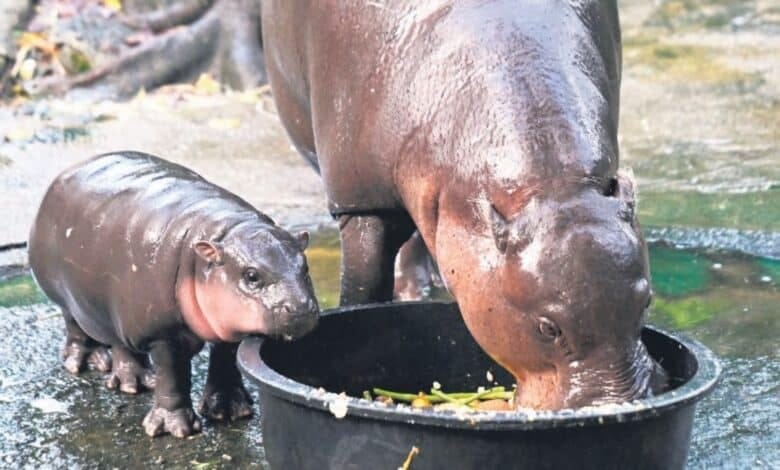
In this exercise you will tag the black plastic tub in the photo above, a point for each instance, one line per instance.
(407, 347)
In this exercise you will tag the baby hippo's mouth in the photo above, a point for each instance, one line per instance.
(290, 324)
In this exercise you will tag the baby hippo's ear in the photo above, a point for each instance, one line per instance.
(303, 239)
(209, 251)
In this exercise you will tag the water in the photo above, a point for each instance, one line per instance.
(725, 299)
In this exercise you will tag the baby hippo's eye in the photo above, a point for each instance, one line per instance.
(548, 328)
(252, 277)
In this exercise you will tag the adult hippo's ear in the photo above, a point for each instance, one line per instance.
(500, 228)
(626, 192)
(210, 252)
(303, 239)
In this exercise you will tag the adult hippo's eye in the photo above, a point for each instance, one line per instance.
(252, 277)
(548, 328)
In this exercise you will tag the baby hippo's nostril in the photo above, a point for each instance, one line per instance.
(287, 308)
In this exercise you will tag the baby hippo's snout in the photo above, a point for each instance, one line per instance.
(293, 319)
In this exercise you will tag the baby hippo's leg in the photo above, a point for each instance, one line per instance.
(172, 411)
(224, 397)
(80, 350)
(131, 372)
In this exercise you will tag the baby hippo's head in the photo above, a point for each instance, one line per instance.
(254, 280)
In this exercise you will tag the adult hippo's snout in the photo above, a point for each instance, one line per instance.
(573, 272)
(604, 379)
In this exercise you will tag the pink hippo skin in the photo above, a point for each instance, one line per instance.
(148, 257)
(491, 128)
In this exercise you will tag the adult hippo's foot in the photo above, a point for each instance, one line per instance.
(81, 351)
(131, 372)
(224, 397)
(180, 422)
(222, 403)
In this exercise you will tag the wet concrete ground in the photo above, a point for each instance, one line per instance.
(48, 417)
(699, 125)
(234, 140)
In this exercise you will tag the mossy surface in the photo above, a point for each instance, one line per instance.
(693, 64)
(758, 210)
(20, 290)
(324, 258)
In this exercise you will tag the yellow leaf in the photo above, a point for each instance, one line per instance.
(206, 84)
(20, 134)
(29, 40)
(224, 124)
(115, 5)
(27, 69)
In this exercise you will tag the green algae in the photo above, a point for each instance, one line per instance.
(324, 258)
(20, 290)
(691, 64)
(687, 15)
(749, 211)
(677, 273)
(770, 268)
(685, 313)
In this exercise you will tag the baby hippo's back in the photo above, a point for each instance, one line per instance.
(108, 239)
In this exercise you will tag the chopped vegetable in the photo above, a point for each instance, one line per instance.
(492, 397)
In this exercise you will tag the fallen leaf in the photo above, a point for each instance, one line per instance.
(137, 38)
(20, 134)
(27, 69)
(207, 85)
(36, 41)
(224, 124)
(115, 5)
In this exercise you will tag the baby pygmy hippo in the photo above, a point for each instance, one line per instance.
(147, 257)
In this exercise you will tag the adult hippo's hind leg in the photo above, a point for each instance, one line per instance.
(80, 350)
(131, 372)
(416, 274)
(369, 243)
(172, 410)
(224, 397)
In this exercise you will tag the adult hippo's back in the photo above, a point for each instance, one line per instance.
(491, 127)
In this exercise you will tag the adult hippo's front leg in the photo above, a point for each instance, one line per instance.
(369, 243)
(224, 397)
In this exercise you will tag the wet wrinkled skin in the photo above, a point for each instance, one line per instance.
(147, 257)
(490, 127)
(416, 275)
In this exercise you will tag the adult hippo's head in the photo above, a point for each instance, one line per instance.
(574, 290)
(254, 280)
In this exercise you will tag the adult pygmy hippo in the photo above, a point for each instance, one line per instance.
(148, 257)
(491, 127)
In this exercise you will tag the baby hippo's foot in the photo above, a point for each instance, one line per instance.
(77, 355)
(226, 403)
(131, 372)
(180, 422)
